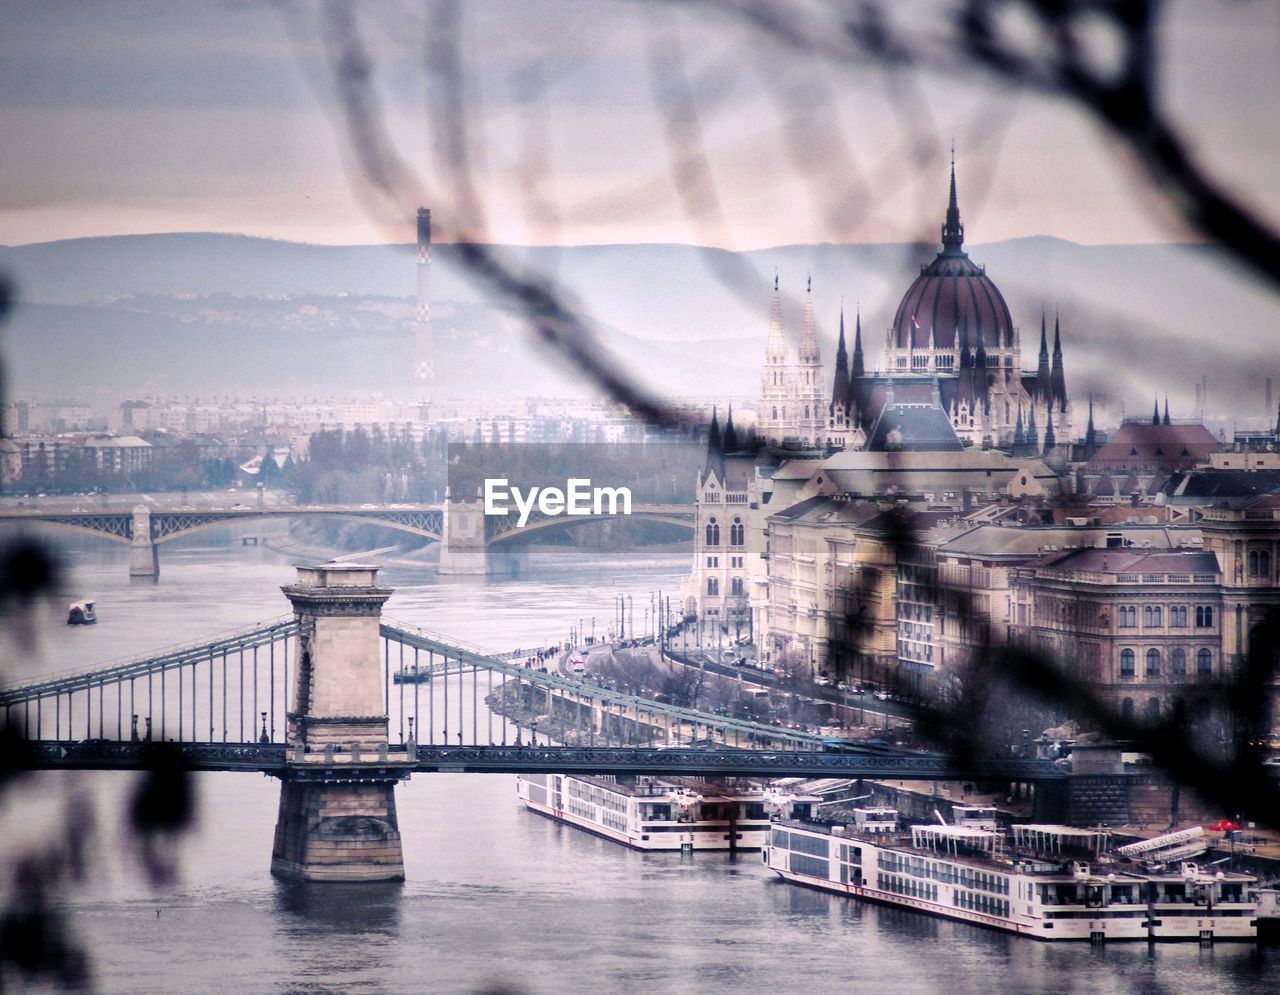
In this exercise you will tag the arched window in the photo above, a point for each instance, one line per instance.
(1204, 661)
(1178, 661)
(1153, 709)
(713, 533)
(736, 588)
(775, 412)
(1153, 662)
(1126, 708)
(737, 533)
(1151, 616)
(1127, 659)
(713, 587)
(1264, 564)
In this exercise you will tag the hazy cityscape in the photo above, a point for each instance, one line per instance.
(545, 497)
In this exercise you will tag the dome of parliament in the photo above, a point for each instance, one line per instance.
(953, 298)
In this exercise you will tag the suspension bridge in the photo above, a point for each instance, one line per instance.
(341, 704)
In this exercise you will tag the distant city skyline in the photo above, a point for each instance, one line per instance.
(127, 118)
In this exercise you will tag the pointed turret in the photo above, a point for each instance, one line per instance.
(840, 385)
(1058, 376)
(952, 229)
(1033, 436)
(809, 332)
(858, 369)
(730, 441)
(1166, 409)
(1155, 412)
(980, 372)
(1050, 441)
(1019, 435)
(1090, 435)
(1044, 390)
(776, 349)
(715, 450)
(775, 381)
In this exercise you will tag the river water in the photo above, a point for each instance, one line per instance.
(496, 898)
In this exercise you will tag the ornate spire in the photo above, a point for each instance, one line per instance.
(1033, 437)
(840, 385)
(1166, 409)
(1090, 435)
(730, 442)
(1019, 435)
(952, 229)
(1058, 376)
(1155, 412)
(776, 350)
(858, 369)
(1049, 440)
(1043, 376)
(809, 355)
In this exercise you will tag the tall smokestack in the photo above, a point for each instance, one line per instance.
(424, 371)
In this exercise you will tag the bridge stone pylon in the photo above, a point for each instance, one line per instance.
(337, 824)
(143, 561)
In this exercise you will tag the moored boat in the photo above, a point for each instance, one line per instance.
(1047, 882)
(650, 813)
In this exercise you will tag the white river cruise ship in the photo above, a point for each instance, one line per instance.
(650, 813)
(1047, 882)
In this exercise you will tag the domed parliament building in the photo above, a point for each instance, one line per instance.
(953, 346)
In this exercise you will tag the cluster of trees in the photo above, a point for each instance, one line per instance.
(346, 467)
(79, 471)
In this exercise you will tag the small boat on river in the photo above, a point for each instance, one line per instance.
(81, 613)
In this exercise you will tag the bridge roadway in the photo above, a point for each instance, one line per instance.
(379, 763)
(427, 520)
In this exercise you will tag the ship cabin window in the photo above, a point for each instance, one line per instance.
(751, 810)
(652, 812)
(1233, 892)
(1122, 894)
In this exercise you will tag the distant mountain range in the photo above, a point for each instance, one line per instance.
(107, 318)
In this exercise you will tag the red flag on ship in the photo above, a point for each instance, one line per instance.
(1224, 826)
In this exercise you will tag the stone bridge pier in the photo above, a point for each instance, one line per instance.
(337, 825)
(143, 558)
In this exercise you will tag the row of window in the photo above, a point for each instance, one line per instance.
(737, 533)
(1177, 662)
(736, 587)
(982, 903)
(907, 886)
(735, 562)
(1152, 616)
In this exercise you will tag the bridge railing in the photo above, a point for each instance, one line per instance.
(232, 689)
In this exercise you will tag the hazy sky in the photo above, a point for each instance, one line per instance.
(142, 117)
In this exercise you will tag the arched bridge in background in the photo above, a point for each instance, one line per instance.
(144, 527)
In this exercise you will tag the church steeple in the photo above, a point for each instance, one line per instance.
(840, 385)
(858, 369)
(1166, 409)
(1058, 377)
(952, 229)
(809, 333)
(1044, 389)
(1090, 435)
(1155, 412)
(715, 450)
(1019, 435)
(1050, 441)
(730, 441)
(1033, 436)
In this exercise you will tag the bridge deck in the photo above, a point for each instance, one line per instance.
(280, 761)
